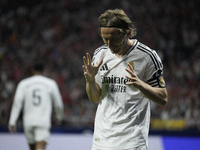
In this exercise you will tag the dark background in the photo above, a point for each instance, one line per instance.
(61, 32)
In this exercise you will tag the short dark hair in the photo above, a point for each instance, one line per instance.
(38, 66)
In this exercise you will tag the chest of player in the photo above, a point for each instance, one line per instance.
(113, 69)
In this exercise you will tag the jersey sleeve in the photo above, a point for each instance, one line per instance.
(17, 104)
(57, 101)
(154, 72)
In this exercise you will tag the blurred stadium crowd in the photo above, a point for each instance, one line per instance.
(62, 31)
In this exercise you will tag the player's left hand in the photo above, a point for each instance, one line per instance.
(134, 80)
(12, 128)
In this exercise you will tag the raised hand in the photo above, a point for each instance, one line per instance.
(134, 80)
(90, 70)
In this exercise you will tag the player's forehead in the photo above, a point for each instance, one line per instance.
(109, 32)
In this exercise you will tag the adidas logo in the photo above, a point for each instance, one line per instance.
(104, 67)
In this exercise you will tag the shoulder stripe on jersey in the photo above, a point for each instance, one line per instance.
(99, 49)
(132, 47)
(154, 85)
(153, 82)
(152, 55)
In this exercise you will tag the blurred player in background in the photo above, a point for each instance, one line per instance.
(123, 77)
(37, 95)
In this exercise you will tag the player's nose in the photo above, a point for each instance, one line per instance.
(110, 43)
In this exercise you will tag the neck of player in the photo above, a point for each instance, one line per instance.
(125, 48)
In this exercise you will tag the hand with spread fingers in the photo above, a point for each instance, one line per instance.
(90, 70)
(157, 95)
(134, 80)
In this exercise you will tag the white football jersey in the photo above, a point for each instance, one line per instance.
(123, 114)
(37, 95)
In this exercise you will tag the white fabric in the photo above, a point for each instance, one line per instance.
(36, 134)
(37, 94)
(123, 114)
(143, 147)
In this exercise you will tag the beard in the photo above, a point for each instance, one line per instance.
(117, 48)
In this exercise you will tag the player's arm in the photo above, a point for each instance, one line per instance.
(58, 103)
(16, 109)
(156, 94)
(92, 89)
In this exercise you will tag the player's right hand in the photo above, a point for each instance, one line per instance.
(90, 70)
(11, 128)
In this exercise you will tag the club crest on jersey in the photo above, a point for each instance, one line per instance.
(161, 81)
(132, 64)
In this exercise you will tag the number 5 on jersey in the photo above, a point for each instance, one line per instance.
(36, 97)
